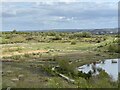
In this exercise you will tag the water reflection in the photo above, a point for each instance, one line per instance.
(109, 65)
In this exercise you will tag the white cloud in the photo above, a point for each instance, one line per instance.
(61, 17)
(42, 15)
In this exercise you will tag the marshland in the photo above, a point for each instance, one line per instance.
(51, 59)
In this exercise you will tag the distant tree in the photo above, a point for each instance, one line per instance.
(57, 38)
(14, 31)
(86, 34)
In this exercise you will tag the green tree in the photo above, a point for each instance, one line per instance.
(14, 31)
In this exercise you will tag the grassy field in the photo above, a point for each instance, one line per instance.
(15, 49)
(28, 61)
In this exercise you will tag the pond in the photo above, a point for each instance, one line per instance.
(109, 65)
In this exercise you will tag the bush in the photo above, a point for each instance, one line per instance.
(114, 48)
(16, 57)
(98, 41)
(85, 75)
(81, 83)
(26, 55)
(103, 74)
(57, 38)
(66, 68)
(73, 42)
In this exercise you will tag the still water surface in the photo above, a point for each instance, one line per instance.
(111, 68)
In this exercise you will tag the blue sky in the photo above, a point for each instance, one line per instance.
(58, 15)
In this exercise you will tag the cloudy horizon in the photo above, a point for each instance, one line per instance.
(58, 15)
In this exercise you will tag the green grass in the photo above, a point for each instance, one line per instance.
(55, 47)
(85, 50)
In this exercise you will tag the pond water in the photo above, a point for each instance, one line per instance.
(109, 65)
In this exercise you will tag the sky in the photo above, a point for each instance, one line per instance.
(44, 15)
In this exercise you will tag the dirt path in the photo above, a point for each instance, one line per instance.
(22, 53)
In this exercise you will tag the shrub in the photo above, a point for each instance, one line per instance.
(103, 74)
(73, 42)
(81, 83)
(98, 41)
(16, 57)
(114, 48)
(66, 68)
(27, 55)
(85, 75)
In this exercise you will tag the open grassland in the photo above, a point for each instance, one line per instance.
(54, 47)
(29, 59)
(15, 49)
